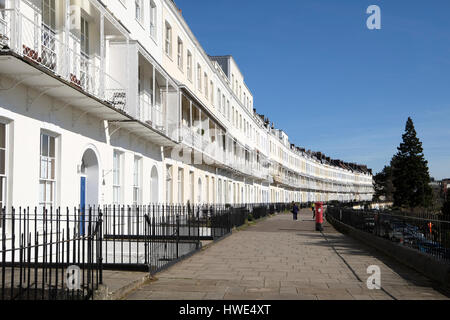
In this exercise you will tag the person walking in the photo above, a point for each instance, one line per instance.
(294, 210)
(313, 210)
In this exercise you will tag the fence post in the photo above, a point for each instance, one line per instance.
(3, 251)
(178, 231)
(100, 245)
(198, 228)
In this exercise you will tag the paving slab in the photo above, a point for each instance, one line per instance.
(282, 259)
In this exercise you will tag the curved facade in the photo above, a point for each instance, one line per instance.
(118, 101)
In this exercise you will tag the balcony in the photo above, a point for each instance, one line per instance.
(150, 113)
(60, 54)
(192, 137)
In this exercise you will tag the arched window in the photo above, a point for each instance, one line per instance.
(154, 186)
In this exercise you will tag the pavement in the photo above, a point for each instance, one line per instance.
(282, 259)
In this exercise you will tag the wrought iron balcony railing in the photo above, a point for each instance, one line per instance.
(62, 55)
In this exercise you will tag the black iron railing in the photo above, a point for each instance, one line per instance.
(61, 253)
(427, 233)
(45, 256)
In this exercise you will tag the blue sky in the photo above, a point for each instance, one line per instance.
(333, 85)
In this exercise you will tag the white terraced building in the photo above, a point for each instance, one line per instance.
(116, 102)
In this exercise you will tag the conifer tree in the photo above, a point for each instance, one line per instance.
(411, 178)
(383, 184)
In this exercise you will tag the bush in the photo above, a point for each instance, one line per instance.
(250, 217)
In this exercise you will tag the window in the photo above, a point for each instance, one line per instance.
(212, 93)
(222, 105)
(2, 169)
(139, 6)
(84, 46)
(169, 184)
(189, 65)
(137, 181)
(200, 191)
(191, 186)
(206, 85)
(84, 39)
(199, 77)
(48, 35)
(218, 98)
(48, 13)
(180, 186)
(180, 54)
(219, 192)
(152, 19)
(47, 172)
(117, 177)
(168, 42)
(232, 116)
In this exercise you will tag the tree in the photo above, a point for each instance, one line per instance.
(383, 184)
(410, 175)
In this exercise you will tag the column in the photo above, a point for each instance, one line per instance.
(166, 104)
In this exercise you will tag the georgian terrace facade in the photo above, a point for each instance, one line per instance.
(116, 102)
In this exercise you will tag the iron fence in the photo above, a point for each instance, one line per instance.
(45, 256)
(60, 253)
(425, 232)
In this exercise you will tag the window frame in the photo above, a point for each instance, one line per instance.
(189, 65)
(139, 4)
(206, 84)
(153, 23)
(84, 36)
(51, 5)
(180, 50)
(168, 40)
(212, 92)
(137, 183)
(47, 180)
(117, 172)
(199, 77)
(180, 185)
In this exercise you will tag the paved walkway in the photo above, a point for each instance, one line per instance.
(283, 259)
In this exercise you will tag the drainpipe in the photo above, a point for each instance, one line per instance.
(102, 55)
(66, 41)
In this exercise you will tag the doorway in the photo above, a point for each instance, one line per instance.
(89, 185)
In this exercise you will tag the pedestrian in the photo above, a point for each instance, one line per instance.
(314, 212)
(294, 210)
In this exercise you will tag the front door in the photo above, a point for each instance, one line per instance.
(82, 204)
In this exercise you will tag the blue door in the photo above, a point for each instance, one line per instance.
(82, 204)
